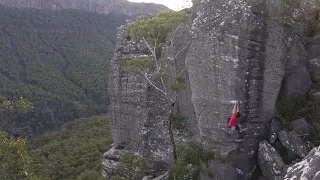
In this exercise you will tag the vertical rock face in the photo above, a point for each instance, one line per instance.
(234, 50)
(239, 52)
(236, 54)
(137, 112)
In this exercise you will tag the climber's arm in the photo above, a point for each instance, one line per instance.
(234, 111)
(237, 107)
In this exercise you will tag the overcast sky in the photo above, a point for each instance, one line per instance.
(172, 4)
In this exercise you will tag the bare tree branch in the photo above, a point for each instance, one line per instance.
(150, 49)
(156, 87)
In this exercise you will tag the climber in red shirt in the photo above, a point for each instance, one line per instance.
(235, 117)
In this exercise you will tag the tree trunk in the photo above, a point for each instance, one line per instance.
(170, 131)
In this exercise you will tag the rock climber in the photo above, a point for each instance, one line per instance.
(234, 117)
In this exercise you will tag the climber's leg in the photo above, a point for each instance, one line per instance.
(233, 128)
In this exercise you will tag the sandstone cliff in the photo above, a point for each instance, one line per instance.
(246, 50)
(99, 6)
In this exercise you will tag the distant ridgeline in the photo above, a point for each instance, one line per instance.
(58, 60)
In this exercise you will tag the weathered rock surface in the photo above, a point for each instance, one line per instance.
(313, 51)
(214, 170)
(293, 142)
(274, 129)
(270, 162)
(300, 126)
(184, 107)
(137, 112)
(314, 68)
(307, 169)
(164, 176)
(297, 78)
(297, 81)
(110, 160)
(239, 50)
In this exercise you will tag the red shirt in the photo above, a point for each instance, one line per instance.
(233, 121)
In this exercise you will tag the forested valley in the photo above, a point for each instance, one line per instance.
(58, 60)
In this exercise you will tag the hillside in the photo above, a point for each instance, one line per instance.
(72, 152)
(99, 6)
(58, 60)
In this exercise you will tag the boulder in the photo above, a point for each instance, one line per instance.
(270, 162)
(274, 129)
(300, 126)
(315, 40)
(297, 81)
(297, 55)
(316, 96)
(313, 51)
(215, 170)
(307, 169)
(110, 161)
(314, 68)
(164, 176)
(293, 142)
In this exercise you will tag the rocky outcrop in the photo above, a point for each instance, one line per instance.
(137, 112)
(270, 162)
(110, 161)
(308, 168)
(293, 143)
(237, 50)
(300, 126)
(274, 129)
(297, 78)
(105, 7)
(314, 68)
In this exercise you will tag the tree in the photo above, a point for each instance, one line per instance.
(14, 158)
(14, 106)
(160, 73)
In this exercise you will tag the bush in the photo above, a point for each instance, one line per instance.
(190, 156)
(178, 123)
(311, 111)
(131, 166)
(296, 106)
(286, 107)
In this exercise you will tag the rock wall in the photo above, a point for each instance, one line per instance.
(237, 50)
(137, 112)
(240, 51)
(236, 54)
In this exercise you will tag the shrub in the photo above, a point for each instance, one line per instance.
(311, 111)
(178, 123)
(131, 166)
(295, 106)
(286, 107)
(190, 156)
